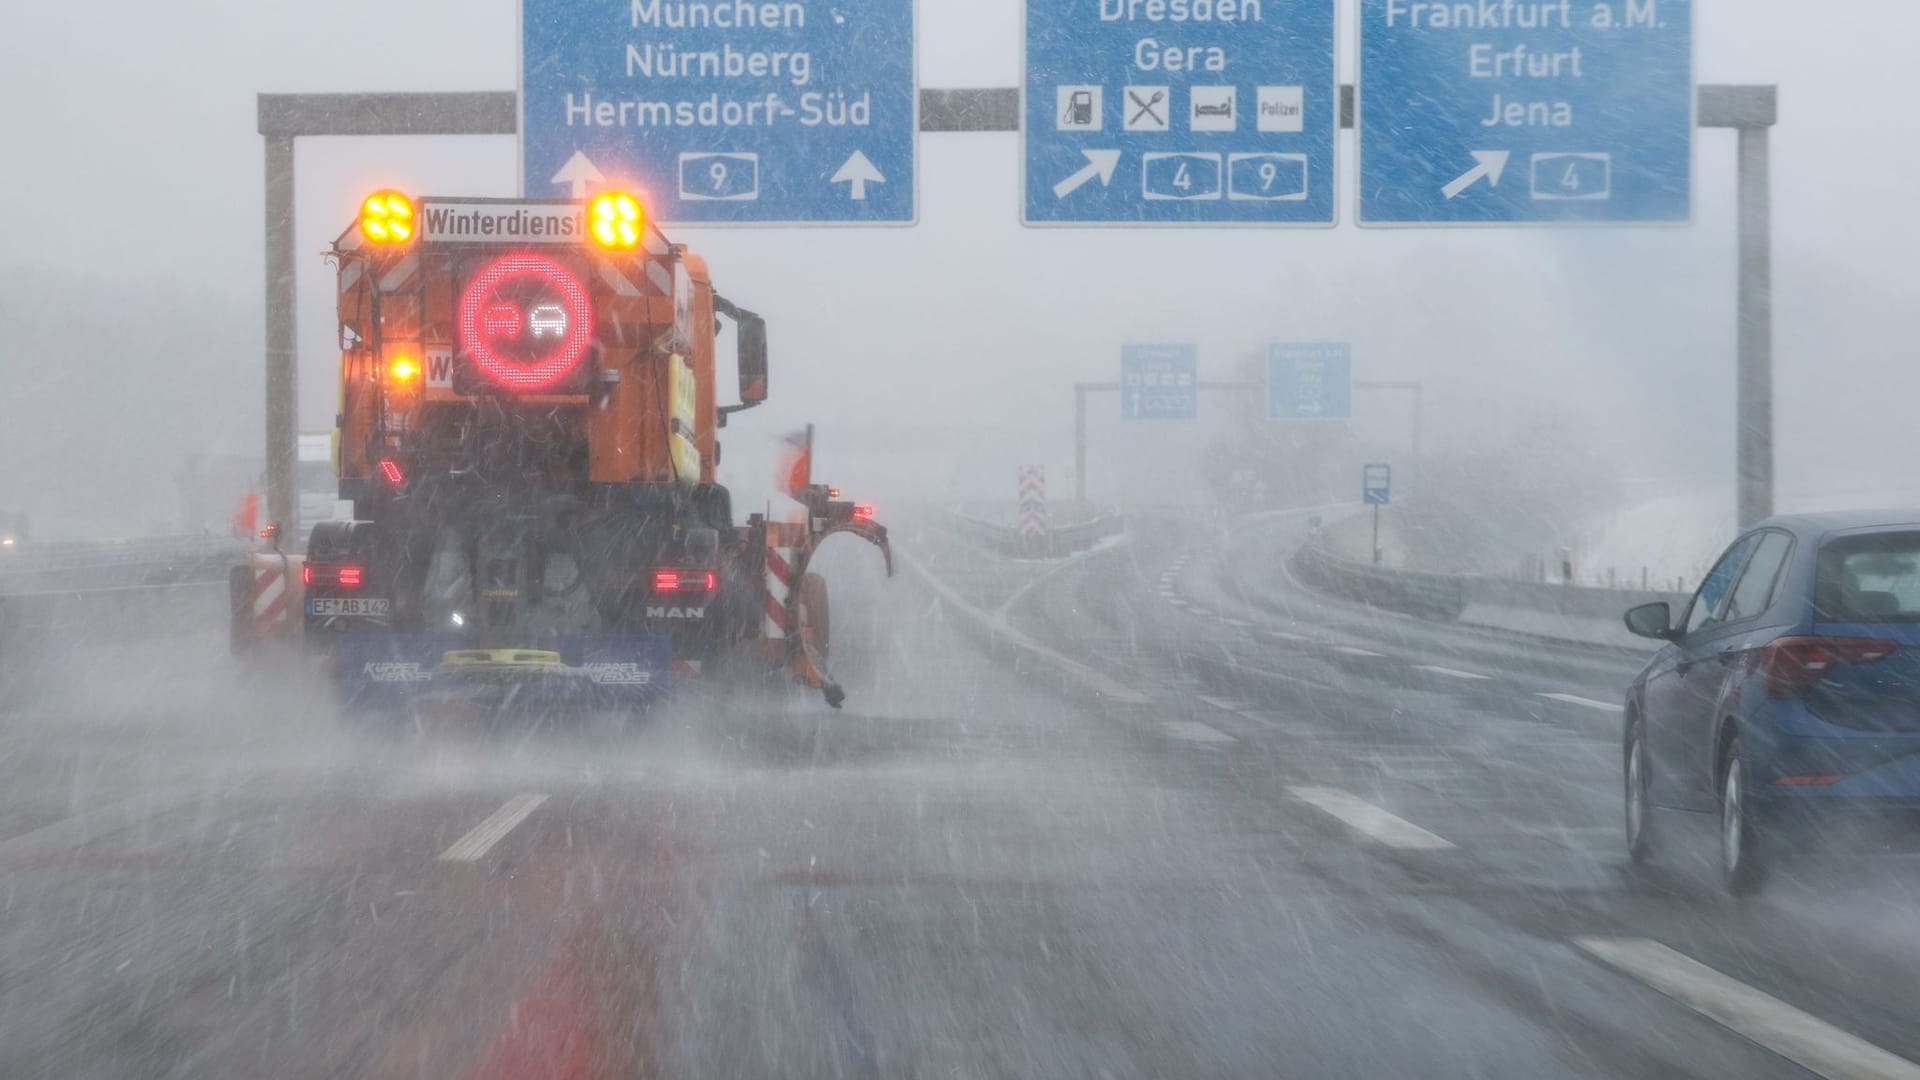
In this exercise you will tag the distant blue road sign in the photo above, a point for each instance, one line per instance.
(1376, 486)
(1309, 382)
(1180, 112)
(764, 113)
(1535, 112)
(1159, 382)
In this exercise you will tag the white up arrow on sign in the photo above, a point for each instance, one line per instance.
(579, 172)
(1492, 165)
(857, 173)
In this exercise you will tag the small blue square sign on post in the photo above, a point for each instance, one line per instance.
(1309, 381)
(1179, 112)
(770, 112)
(1526, 112)
(1376, 486)
(1159, 382)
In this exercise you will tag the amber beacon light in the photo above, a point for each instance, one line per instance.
(386, 217)
(616, 220)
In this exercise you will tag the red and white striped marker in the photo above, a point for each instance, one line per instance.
(779, 587)
(1034, 524)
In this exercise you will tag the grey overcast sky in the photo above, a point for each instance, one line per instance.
(133, 158)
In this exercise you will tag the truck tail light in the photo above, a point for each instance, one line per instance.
(669, 580)
(335, 575)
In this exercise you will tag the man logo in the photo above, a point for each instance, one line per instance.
(676, 613)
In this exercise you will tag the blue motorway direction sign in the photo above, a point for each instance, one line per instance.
(1309, 382)
(1159, 382)
(1495, 112)
(1376, 485)
(760, 112)
(1180, 112)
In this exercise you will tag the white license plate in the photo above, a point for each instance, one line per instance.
(347, 606)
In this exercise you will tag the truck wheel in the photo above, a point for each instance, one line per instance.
(816, 614)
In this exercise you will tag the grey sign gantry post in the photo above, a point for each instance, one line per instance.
(282, 119)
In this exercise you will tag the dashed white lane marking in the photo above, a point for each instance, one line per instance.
(475, 845)
(1194, 731)
(1806, 1040)
(1354, 650)
(1298, 639)
(1576, 699)
(1238, 624)
(1370, 820)
(1452, 673)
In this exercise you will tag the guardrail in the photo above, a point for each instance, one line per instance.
(1568, 613)
(1061, 540)
(1412, 592)
(114, 589)
(87, 554)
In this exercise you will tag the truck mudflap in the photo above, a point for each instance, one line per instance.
(597, 672)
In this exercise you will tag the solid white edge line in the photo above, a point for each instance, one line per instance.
(1452, 673)
(1576, 699)
(1370, 820)
(475, 845)
(1762, 1018)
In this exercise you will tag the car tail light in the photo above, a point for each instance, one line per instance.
(347, 576)
(1793, 666)
(863, 512)
(1806, 781)
(673, 580)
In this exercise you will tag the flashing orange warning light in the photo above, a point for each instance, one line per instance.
(386, 218)
(616, 220)
(403, 370)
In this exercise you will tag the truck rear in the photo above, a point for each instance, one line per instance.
(528, 436)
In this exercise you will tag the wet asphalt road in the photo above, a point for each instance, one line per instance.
(1311, 841)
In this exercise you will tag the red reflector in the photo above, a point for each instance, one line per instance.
(1793, 666)
(863, 511)
(1806, 781)
(391, 469)
(685, 581)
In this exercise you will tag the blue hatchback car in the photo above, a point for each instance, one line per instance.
(1787, 700)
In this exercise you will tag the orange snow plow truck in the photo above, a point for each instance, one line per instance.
(529, 437)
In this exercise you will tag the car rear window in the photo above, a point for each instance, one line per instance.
(1869, 579)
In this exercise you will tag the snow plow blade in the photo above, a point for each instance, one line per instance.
(598, 673)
